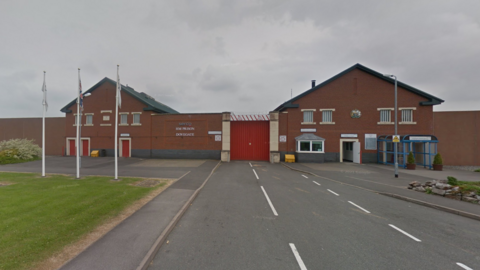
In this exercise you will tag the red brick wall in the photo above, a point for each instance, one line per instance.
(31, 128)
(354, 90)
(458, 134)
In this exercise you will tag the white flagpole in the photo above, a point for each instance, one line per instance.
(43, 124)
(116, 124)
(78, 126)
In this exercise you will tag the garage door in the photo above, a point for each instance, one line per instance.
(250, 140)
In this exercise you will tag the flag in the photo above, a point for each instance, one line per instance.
(119, 88)
(44, 90)
(80, 94)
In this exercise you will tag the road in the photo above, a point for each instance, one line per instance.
(259, 215)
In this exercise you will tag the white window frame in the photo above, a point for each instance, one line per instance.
(75, 119)
(324, 122)
(407, 123)
(383, 122)
(126, 115)
(139, 118)
(303, 117)
(312, 152)
(86, 119)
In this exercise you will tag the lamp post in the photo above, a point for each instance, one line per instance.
(395, 112)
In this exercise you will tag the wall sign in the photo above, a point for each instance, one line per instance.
(215, 133)
(185, 124)
(370, 141)
(218, 138)
(124, 134)
(283, 138)
(420, 138)
(185, 134)
(349, 135)
(308, 130)
(185, 128)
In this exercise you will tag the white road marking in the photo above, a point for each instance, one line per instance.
(297, 256)
(333, 192)
(250, 164)
(304, 176)
(269, 202)
(464, 266)
(255, 173)
(359, 207)
(407, 234)
(316, 183)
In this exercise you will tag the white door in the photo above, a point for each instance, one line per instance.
(356, 152)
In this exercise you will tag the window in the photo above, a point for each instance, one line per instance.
(89, 119)
(123, 119)
(136, 118)
(310, 146)
(77, 118)
(407, 115)
(308, 117)
(327, 116)
(385, 116)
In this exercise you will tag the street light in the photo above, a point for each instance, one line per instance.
(395, 112)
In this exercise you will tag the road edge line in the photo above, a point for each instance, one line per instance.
(158, 243)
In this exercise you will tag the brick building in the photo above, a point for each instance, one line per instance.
(356, 105)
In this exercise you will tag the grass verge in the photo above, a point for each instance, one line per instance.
(469, 186)
(40, 216)
(10, 160)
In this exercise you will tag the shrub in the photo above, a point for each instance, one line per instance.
(477, 170)
(452, 181)
(437, 160)
(410, 158)
(19, 149)
(428, 190)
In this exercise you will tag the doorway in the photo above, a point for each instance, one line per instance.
(349, 150)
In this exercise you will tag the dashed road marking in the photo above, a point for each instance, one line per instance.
(255, 173)
(359, 207)
(333, 192)
(304, 176)
(316, 183)
(407, 234)
(269, 202)
(297, 256)
(250, 164)
(464, 266)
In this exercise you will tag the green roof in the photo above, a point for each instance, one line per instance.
(432, 100)
(152, 104)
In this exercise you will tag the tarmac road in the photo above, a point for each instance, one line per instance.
(320, 224)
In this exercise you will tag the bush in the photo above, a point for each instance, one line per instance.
(477, 170)
(410, 158)
(437, 160)
(22, 149)
(452, 181)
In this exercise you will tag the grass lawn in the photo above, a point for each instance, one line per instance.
(10, 160)
(469, 186)
(39, 216)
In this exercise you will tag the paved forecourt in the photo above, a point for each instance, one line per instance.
(286, 220)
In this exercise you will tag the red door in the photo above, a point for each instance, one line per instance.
(125, 148)
(72, 149)
(85, 148)
(250, 140)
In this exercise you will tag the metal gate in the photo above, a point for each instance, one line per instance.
(250, 140)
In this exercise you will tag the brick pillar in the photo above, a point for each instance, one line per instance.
(274, 153)
(226, 137)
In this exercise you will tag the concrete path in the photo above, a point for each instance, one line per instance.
(125, 247)
(378, 179)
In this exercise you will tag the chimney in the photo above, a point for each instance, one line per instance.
(313, 83)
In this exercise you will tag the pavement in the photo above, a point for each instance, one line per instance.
(257, 215)
(380, 179)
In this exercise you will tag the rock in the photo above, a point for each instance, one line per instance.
(428, 183)
(469, 194)
(415, 184)
(421, 189)
(409, 187)
(455, 189)
(442, 181)
(438, 191)
(443, 186)
(478, 197)
(470, 199)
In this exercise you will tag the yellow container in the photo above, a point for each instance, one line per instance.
(94, 153)
(290, 158)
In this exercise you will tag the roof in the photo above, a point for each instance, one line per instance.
(309, 137)
(432, 100)
(151, 103)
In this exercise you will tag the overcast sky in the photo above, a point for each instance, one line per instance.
(240, 56)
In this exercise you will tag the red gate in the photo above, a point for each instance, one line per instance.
(250, 140)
